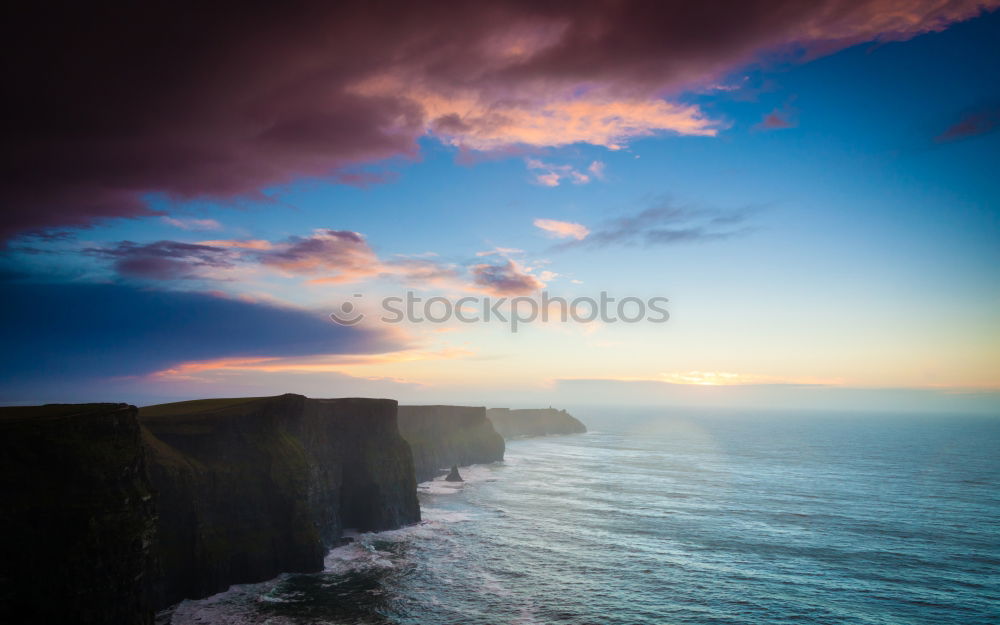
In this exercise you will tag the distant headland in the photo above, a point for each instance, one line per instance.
(533, 422)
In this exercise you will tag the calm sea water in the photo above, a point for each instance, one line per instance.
(662, 518)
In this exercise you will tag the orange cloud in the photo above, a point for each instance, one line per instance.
(562, 229)
(250, 244)
(312, 364)
(545, 119)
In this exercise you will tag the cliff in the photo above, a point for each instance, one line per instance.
(251, 487)
(533, 422)
(442, 436)
(77, 520)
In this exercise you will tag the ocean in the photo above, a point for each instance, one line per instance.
(667, 517)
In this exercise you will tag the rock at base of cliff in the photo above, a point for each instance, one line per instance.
(454, 475)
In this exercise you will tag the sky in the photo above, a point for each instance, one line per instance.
(811, 188)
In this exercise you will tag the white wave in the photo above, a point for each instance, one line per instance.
(239, 605)
(356, 556)
(437, 515)
(235, 606)
(440, 487)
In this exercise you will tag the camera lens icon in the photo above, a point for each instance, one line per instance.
(347, 315)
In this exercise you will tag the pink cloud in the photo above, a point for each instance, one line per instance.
(248, 244)
(192, 224)
(597, 169)
(343, 252)
(501, 251)
(550, 179)
(551, 174)
(562, 229)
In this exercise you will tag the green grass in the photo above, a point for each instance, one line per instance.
(52, 411)
(192, 407)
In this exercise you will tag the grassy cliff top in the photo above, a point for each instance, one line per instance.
(193, 406)
(55, 411)
(449, 406)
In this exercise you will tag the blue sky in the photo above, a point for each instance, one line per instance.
(861, 249)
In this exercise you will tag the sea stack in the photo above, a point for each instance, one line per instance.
(454, 476)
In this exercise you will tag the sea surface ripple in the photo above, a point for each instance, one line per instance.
(660, 518)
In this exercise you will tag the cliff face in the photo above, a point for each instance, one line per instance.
(249, 488)
(442, 436)
(533, 422)
(77, 520)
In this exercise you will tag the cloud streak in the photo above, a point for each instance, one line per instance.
(165, 260)
(192, 224)
(325, 257)
(664, 224)
(972, 124)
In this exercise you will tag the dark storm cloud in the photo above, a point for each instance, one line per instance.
(62, 331)
(108, 101)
